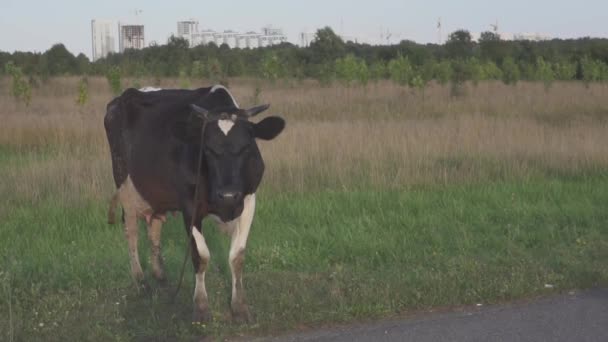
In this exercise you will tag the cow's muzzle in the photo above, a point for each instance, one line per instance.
(228, 204)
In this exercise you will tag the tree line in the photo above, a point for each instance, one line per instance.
(329, 58)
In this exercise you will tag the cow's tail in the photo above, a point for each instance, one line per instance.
(112, 209)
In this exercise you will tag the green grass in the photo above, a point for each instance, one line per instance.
(312, 258)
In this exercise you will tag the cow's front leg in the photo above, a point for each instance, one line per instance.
(240, 311)
(200, 260)
(154, 230)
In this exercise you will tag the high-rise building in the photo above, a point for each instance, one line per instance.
(131, 37)
(188, 29)
(103, 38)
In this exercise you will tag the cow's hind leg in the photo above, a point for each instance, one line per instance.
(154, 231)
(131, 231)
(240, 310)
(200, 260)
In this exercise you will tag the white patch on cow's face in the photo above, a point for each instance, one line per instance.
(219, 86)
(225, 125)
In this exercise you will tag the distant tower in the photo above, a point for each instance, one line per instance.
(439, 35)
(103, 38)
(495, 27)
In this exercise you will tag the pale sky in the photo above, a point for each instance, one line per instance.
(36, 25)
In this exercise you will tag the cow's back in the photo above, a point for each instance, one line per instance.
(137, 115)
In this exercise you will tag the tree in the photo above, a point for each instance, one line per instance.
(489, 36)
(459, 44)
(492, 47)
(82, 64)
(327, 46)
(60, 60)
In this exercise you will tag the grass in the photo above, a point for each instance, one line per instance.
(313, 258)
(373, 205)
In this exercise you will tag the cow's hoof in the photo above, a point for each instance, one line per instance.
(162, 282)
(143, 286)
(201, 315)
(241, 314)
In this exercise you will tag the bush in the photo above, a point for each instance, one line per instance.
(564, 70)
(400, 70)
(351, 69)
(443, 72)
(197, 70)
(325, 74)
(271, 67)
(83, 92)
(490, 71)
(510, 71)
(184, 80)
(113, 77)
(544, 72)
(20, 88)
(378, 70)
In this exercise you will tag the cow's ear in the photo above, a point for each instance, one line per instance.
(269, 128)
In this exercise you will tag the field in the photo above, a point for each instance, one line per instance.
(377, 201)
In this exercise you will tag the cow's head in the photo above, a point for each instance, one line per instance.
(232, 161)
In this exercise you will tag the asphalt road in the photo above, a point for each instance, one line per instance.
(576, 316)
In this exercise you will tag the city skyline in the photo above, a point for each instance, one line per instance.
(383, 21)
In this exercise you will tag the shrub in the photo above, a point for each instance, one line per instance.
(113, 77)
(400, 70)
(510, 71)
(351, 69)
(83, 92)
(20, 88)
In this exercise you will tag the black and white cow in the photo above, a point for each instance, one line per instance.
(155, 141)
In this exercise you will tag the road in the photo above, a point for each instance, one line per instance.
(575, 316)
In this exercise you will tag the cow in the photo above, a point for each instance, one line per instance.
(167, 145)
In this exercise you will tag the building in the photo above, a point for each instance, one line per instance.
(188, 30)
(103, 38)
(131, 37)
(535, 37)
(271, 36)
(306, 38)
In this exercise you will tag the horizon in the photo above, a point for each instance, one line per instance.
(385, 22)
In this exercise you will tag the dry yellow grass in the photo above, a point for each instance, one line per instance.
(337, 137)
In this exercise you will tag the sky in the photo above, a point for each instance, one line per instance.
(37, 25)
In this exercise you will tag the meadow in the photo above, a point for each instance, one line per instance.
(377, 201)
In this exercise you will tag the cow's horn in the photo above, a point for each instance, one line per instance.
(253, 111)
(200, 110)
